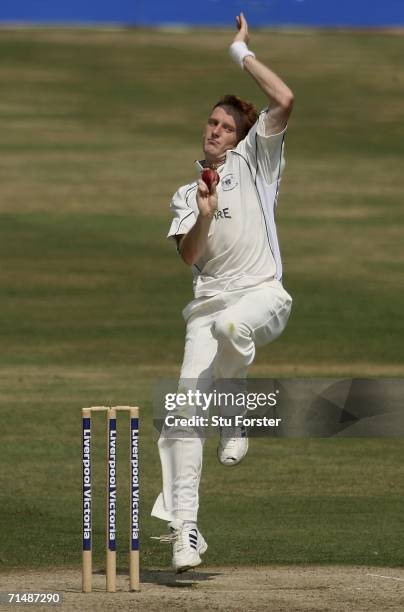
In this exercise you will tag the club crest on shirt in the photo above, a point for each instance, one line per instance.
(228, 182)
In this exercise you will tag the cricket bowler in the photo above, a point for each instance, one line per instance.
(226, 232)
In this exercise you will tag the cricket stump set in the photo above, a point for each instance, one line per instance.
(111, 495)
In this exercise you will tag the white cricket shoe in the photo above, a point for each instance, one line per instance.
(188, 545)
(232, 450)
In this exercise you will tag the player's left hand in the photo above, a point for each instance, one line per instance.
(242, 26)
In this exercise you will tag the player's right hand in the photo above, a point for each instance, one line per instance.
(207, 200)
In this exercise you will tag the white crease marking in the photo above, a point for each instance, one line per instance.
(388, 577)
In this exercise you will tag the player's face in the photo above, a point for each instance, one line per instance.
(220, 133)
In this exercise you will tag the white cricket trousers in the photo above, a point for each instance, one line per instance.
(222, 334)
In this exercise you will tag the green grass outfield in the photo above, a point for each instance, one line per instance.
(98, 129)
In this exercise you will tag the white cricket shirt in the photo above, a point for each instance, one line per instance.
(242, 248)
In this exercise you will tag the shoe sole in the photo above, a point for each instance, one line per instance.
(185, 568)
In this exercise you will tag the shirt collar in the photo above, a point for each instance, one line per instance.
(200, 164)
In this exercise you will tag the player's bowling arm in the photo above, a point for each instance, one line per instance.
(192, 245)
(279, 95)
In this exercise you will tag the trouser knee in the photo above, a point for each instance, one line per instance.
(226, 330)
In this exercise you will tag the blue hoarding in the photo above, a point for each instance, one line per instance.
(357, 13)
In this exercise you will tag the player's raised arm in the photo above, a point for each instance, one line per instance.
(279, 95)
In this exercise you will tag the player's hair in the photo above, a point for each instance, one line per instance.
(246, 111)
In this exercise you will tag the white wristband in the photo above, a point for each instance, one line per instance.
(239, 51)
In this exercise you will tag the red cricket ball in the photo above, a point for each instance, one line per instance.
(209, 177)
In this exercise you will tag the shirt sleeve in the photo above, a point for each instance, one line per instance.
(183, 216)
(263, 151)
